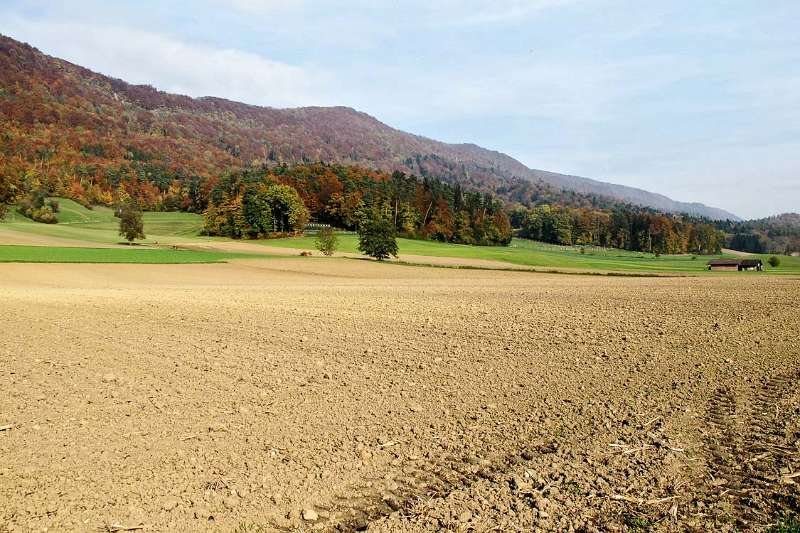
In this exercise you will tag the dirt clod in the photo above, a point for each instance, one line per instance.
(310, 515)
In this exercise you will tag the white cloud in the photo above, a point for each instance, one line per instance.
(574, 91)
(176, 66)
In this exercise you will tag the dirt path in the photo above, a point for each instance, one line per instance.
(214, 397)
(735, 252)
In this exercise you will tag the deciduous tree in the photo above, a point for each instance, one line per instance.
(377, 234)
(130, 221)
(326, 241)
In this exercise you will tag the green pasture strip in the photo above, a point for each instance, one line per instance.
(57, 254)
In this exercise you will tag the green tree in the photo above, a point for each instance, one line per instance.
(407, 219)
(562, 228)
(33, 206)
(38, 198)
(326, 241)
(130, 221)
(774, 261)
(9, 189)
(289, 214)
(273, 208)
(256, 212)
(533, 225)
(376, 234)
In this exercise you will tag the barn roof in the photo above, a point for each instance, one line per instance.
(724, 262)
(750, 262)
(745, 263)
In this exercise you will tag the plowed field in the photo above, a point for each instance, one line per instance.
(291, 394)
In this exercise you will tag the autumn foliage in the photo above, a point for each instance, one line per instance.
(67, 131)
(280, 200)
(632, 229)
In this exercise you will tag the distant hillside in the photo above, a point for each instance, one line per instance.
(632, 195)
(777, 234)
(785, 221)
(60, 116)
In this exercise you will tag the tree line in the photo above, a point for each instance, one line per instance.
(282, 199)
(627, 228)
(778, 234)
(88, 139)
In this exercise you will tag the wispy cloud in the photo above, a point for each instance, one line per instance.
(680, 97)
(177, 66)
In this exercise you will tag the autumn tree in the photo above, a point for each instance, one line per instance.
(326, 241)
(289, 214)
(225, 218)
(34, 207)
(130, 221)
(261, 209)
(376, 234)
(8, 193)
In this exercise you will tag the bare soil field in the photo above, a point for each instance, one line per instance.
(290, 394)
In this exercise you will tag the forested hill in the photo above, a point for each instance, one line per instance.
(776, 234)
(62, 121)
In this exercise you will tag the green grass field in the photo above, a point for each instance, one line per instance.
(99, 226)
(537, 254)
(56, 254)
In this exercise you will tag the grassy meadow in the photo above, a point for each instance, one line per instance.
(62, 254)
(98, 226)
(537, 254)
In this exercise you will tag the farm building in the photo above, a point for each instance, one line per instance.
(735, 264)
(751, 264)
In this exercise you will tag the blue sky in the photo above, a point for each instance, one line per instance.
(696, 100)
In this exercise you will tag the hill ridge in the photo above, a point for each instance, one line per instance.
(238, 134)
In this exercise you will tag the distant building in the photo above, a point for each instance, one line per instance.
(735, 264)
(751, 264)
(723, 264)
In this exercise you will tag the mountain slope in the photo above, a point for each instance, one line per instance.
(632, 195)
(776, 234)
(87, 118)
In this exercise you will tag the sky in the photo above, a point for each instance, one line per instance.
(696, 100)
